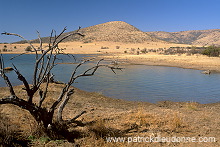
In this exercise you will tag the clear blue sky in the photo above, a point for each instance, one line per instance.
(27, 16)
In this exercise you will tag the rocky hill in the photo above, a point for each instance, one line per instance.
(119, 31)
(115, 31)
(195, 37)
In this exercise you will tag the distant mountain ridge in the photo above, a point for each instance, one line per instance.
(114, 31)
(194, 37)
(119, 31)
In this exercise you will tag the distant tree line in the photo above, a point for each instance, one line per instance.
(211, 51)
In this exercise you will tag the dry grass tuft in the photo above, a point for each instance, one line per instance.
(174, 122)
(101, 129)
(9, 134)
(143, 121)
(192, 106)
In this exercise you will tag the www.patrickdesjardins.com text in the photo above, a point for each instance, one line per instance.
(139, 139)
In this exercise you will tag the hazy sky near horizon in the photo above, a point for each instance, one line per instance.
(26, 16)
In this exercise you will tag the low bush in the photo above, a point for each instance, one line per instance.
(4, 50)
(103, 47)
(211, 51)
(144, 51)
(28, 48)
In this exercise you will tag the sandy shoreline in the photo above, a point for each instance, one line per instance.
(115, 51)
(199, 62)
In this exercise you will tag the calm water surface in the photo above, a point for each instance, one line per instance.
(135, 82)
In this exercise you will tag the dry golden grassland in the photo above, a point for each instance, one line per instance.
(118, 118)
(92, 47)
(110, 117)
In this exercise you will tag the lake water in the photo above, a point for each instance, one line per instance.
(135, 82)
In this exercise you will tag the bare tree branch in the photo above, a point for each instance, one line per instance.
(73, 78)
(56, 37)
(6, 79)
(74, 119)
(63, 104)
(27, 88)
(44, 63)
(17, 56)
(68, 35)
(18, 102)
(93, 69)
(13, 34)
(62, 94)
(43, 94)
(40, 40)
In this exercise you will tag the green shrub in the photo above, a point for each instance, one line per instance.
(211, 51)
(28, 48)
(144, 51)
(87, 41)
(4, 50)
(103, 47)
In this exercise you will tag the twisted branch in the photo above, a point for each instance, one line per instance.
(3, 75)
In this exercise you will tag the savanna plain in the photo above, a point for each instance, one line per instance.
(109, 119)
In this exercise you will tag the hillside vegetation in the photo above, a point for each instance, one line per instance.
(116, 31)
(195, 37)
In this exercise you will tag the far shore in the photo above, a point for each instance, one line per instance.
(120, 52)
(198, 62)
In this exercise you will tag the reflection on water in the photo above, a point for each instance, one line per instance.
(136, 82)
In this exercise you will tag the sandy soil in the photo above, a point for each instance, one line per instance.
(120, 118)
(200, 62)
(92, 48)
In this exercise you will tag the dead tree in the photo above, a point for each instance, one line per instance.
(50, 119)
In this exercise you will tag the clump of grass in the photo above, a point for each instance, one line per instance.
(142, 118)
(192, 106)
(102, 129)
(145, 121)
(97, 134)
(99, 93)
(38, 141)
(9, 135)
(92, 141)
(175, 122)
